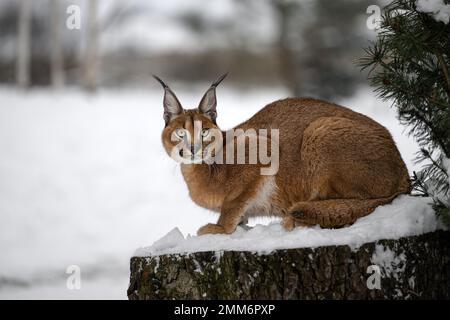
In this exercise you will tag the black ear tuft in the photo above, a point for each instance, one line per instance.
(172, 106)
(161, 82)
(219, 80)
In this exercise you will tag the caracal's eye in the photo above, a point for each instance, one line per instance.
(180, 133)
(205, 132)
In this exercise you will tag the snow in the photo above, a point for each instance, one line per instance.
(437, 8)
(84, 181)
(170, 240)
(445, 197)
(446, 163)
(390, 263)
(406, 216)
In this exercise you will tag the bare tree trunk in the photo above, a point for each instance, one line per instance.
(91, 62)
(286, 54)
(57, 60)
(24, 44)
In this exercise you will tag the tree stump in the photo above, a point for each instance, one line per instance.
(416, 267)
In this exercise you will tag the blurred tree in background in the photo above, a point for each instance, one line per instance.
(410, 65)
(319, 42)
(306, 46)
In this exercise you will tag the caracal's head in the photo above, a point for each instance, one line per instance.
(191, 135)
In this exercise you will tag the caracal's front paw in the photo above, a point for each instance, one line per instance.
(211, 228)
(290, 223)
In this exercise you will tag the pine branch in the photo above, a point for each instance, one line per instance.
(444, 68)
(408, 66)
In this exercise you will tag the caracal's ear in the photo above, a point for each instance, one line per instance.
(208, 104)
(172, 107)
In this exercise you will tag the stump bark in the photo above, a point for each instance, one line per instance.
(416, 267)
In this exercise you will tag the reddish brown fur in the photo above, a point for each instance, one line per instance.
(336, 165)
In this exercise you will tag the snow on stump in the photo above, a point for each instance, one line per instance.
(267, 262)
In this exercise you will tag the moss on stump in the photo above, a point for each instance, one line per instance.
(416, 267)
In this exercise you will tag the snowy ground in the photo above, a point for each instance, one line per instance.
(84, 181)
